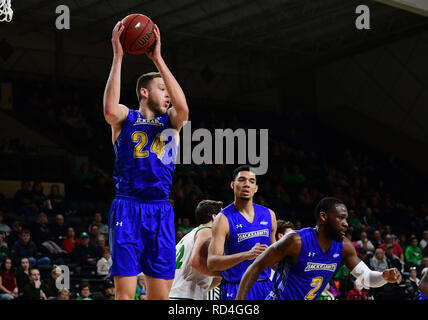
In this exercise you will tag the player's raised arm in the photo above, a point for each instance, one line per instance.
(115, 113)
(289, 245)
(361, 271)
(179, 112)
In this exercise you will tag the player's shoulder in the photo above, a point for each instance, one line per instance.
(229, 209)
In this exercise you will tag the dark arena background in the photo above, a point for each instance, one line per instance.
(342, 91)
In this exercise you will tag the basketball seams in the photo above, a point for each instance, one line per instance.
(142, 31)
(126, 31)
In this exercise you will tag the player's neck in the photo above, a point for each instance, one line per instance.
(323, 239)
(244, 206)
(147, 113)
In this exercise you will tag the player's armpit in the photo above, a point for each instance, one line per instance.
(178, 116)
(115, 115)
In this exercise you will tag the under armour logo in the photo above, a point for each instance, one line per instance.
(311, 254)
(239, 226)
(229, 295)
(119, 223)
(335, 255)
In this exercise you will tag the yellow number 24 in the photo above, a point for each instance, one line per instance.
(140, 138)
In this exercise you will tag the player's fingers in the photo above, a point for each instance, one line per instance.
(121, 28)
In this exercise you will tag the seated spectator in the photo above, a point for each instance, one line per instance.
(84, 291)
(377, 238)
(14, 235)
(369, 220)
(58, 230)
(388, 230)
(101, 243)
(424, 265)
(64, 294)
(392, 260)
(412, 283)
(23, 274)
(93, 234)
(396, 246)
(8, 287)
(109, 291)
(40, 231)
(414, 253)
(103, 228)
(378, 262)
(4, 228)
(84, 254)
(24, 247)
(24, 200)
(141, 292)
(365, 243)
(57, 200)
(4, 249)
(69, 243)
(354, 221)
(358, 293)
(32, 290)
(422, 244)
(104, 264)
(49, 286)
(39, 198)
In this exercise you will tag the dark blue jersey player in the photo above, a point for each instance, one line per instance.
(141, 221)
(306, 259)
(241, 232)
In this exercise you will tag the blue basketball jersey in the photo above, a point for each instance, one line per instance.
(307, 279)
(244, 235)
(421, 297)
(141, 168)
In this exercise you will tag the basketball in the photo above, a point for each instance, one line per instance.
(138, 35)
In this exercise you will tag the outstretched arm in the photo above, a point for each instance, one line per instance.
(359, 269)
(216, 260)
(289, 245)
(179, 112)
(115, 113)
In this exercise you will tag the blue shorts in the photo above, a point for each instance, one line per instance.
(142, 238)
(229, 290)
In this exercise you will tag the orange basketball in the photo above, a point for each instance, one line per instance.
(138, 35)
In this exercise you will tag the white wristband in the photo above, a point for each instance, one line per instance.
(368, 278)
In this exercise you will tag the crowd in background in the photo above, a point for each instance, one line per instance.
(388, 215)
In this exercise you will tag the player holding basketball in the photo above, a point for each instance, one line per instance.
(241, 232)
(141, 220)
(192, 278)
(308, 258)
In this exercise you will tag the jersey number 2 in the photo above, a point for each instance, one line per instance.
(140, 138)
(179, 256)
(316, 284)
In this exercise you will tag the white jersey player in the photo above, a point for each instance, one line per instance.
(192, 278)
